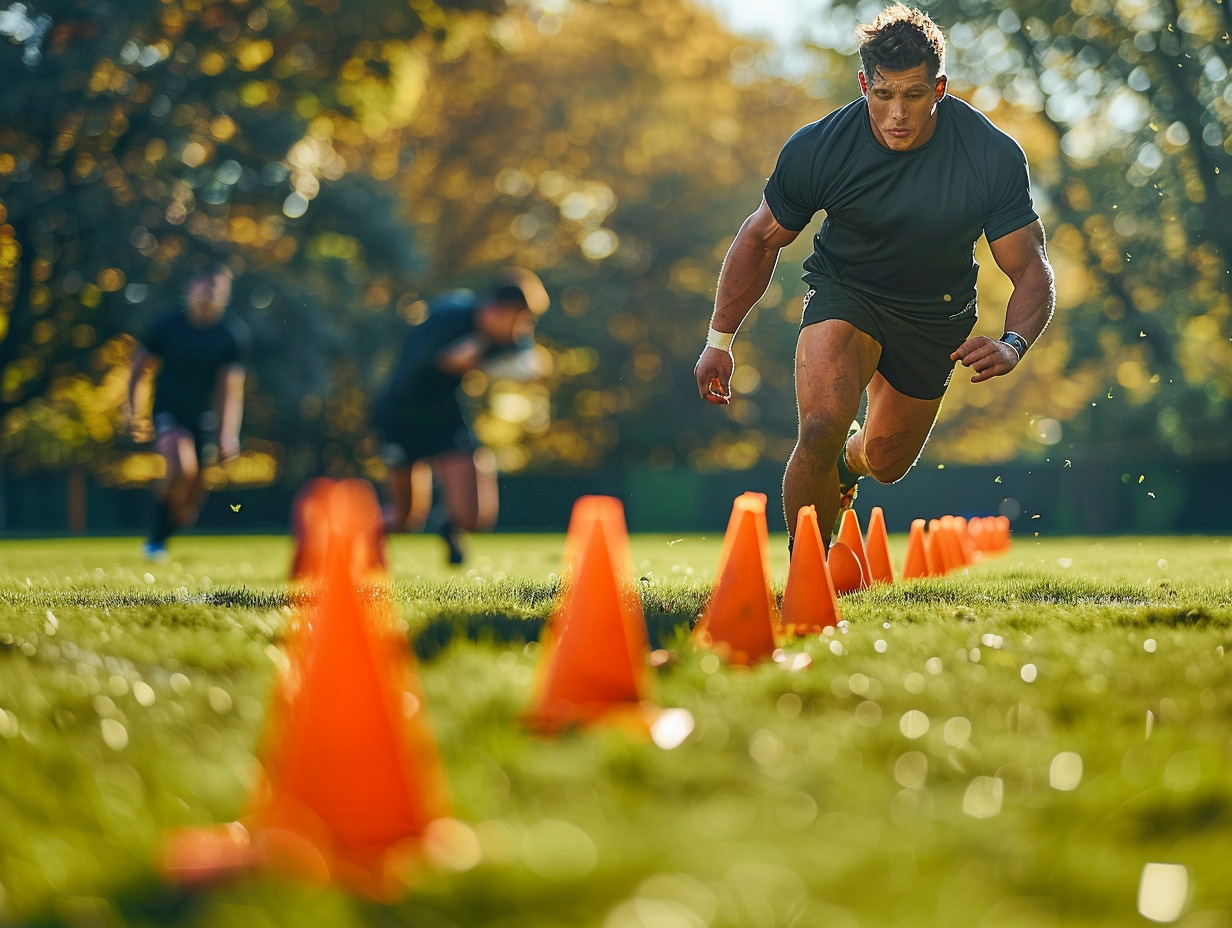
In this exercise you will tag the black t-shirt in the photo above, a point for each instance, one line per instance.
(192, 358)
(418, 393)
(902, 225)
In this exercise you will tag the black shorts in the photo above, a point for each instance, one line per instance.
(916, 339)
(204, 434)
(405, 446)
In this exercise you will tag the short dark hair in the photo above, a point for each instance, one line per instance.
(520, 286)
(202, 268)
(901, 38)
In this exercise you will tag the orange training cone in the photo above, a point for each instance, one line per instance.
(741, 620)
(877, 548)
(310, 525)
(596, 646)
(844, 569)
(849, 535)
(938, 566)
(809, 601)
(916, 565)
(351, 774)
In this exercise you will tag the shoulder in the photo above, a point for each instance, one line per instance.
(847, 121)
(977, 130)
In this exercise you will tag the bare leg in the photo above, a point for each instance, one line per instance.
(468, 485)
(410, 497)
(834, 363)
(179, 493)
(895, 431)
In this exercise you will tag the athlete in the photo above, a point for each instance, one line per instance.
(199, 349)
(909, 179)
(425, 431)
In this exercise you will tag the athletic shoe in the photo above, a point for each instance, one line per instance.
(452, 540)
(155, 552)
(848, 482)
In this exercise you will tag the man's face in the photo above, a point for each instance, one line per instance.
(506, 323)
(902, 105)
(208, 298)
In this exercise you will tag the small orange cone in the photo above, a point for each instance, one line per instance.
(951, 547)
(741, 620)
(877, 548)
(596, 645)
(916, 565)
(809, 601)
(938, 566)
(351, 774)
(845, 569)
(849, 535)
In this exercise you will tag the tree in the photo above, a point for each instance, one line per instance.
(133, 135)
(616, 147)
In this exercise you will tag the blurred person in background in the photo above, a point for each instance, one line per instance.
(197, 349)
(424, 429)
(909, 178)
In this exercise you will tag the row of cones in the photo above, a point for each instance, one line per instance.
(351, 782)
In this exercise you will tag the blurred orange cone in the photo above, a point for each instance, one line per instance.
(938, 566)
(877, 548)
(809, 601)
(951, 547)
(845, 569)
(916, 564)
(351, 773)
(313, 511)
(596, 645)
(849, 535)
(741, 620)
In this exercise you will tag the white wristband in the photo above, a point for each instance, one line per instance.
(721, 340)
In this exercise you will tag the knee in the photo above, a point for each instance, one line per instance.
(822, 435)
(884, 465)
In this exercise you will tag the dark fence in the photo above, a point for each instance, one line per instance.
(1049, 498)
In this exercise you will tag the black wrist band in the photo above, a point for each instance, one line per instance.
(1015, 341)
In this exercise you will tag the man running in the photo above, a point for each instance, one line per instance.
(199, 349)
(909, 178)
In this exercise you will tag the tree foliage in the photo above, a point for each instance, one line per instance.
(136, 135)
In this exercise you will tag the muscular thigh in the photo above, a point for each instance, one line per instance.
(834, 363)
(895, 428)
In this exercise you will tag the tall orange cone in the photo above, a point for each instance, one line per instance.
(809, 601)
(594, 660)
(951, 547)
(741, 620)
(351, 774)
(849, 535)
(915, 566)
(877, 548)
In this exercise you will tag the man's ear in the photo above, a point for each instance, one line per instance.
(942, 83)
(863, 82)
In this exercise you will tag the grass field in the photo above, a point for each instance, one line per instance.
(1020, 744)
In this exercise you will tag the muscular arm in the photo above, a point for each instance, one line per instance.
(1024, 259)
(138, 424)
(230, 410)
(743, 280)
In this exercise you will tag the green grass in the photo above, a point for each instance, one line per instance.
(841, 794)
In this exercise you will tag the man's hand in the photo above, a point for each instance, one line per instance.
(985, 356)
(713, 372)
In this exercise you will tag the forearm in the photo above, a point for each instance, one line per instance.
(231, 405)
(1031, 305)
(743, 279)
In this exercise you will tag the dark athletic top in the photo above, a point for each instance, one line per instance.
(901, 225)
(418, 394)
(192, 358)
